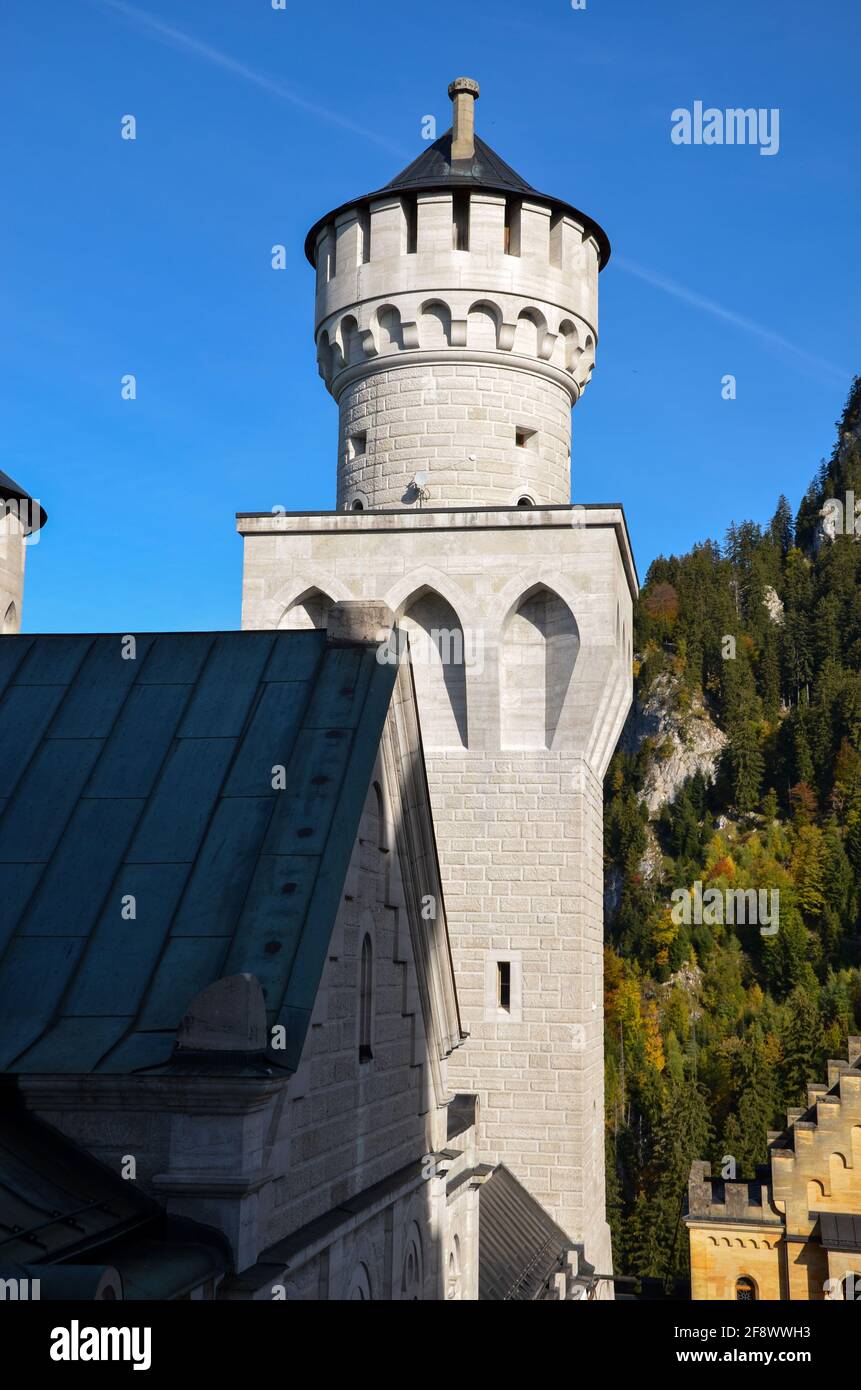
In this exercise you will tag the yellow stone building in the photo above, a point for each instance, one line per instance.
(795, 1232)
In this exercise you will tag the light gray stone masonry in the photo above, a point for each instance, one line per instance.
(517, 733)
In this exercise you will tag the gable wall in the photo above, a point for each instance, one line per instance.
(348, 1124)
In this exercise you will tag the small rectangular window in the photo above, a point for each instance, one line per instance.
(357, 444)
(503, 985)
(524, 438)
(460, 221)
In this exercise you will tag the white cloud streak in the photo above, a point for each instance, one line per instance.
(187, 43)
(773, 340)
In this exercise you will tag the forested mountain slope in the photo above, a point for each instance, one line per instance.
(740, 768)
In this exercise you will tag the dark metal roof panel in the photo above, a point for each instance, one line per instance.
(82, 869)
(65, 1218)
(435, 166)
(840, 1231)
(520, 1247)
(152, 782)
(54, 1198)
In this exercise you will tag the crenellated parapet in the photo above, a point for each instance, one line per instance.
(716, 1199)
(816, 1166)
(456, 325)
(804, 1204)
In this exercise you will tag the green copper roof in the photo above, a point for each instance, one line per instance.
(150, 779)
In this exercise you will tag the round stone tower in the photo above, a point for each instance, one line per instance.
(456, 324)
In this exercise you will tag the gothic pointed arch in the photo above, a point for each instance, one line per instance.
(309, 610)
(538, 651)
(439, 655)
(412, 585)
(314, 591)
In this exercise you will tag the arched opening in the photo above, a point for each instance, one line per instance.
(309, 610)
(325, 363)
(745, 1290)
(525, 501)
(412, 1277)
(838, 1173)
(10, 620)
(390, 331)
(351, 341)
(566, 349)
(452, 1289)
(815, 1194)
(357, 505)
(482, 327)
(439, 668)
(526, 336)
(850, 1286)
(529, 333)
(586, 366)
(435, 325)
(366, 1001)
(539, 649)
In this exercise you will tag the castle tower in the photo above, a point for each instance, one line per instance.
(456, 324)
(20, 517)
(456, 268)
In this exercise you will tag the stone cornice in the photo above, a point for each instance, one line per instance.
(588, 516)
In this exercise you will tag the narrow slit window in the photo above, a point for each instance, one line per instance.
(512, 228)
(503, 985)
(366, 1001)
(411, 216)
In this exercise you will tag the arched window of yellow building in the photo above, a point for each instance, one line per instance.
(745, 1290)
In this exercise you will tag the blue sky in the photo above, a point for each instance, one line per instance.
(152, 257)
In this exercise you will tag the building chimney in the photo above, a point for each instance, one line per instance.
(464, 94)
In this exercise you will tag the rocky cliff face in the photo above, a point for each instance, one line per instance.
(684, 743)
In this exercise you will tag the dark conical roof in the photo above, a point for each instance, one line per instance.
(10, 491)
(435, 167)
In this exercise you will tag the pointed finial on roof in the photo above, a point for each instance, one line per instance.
(464, 93)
